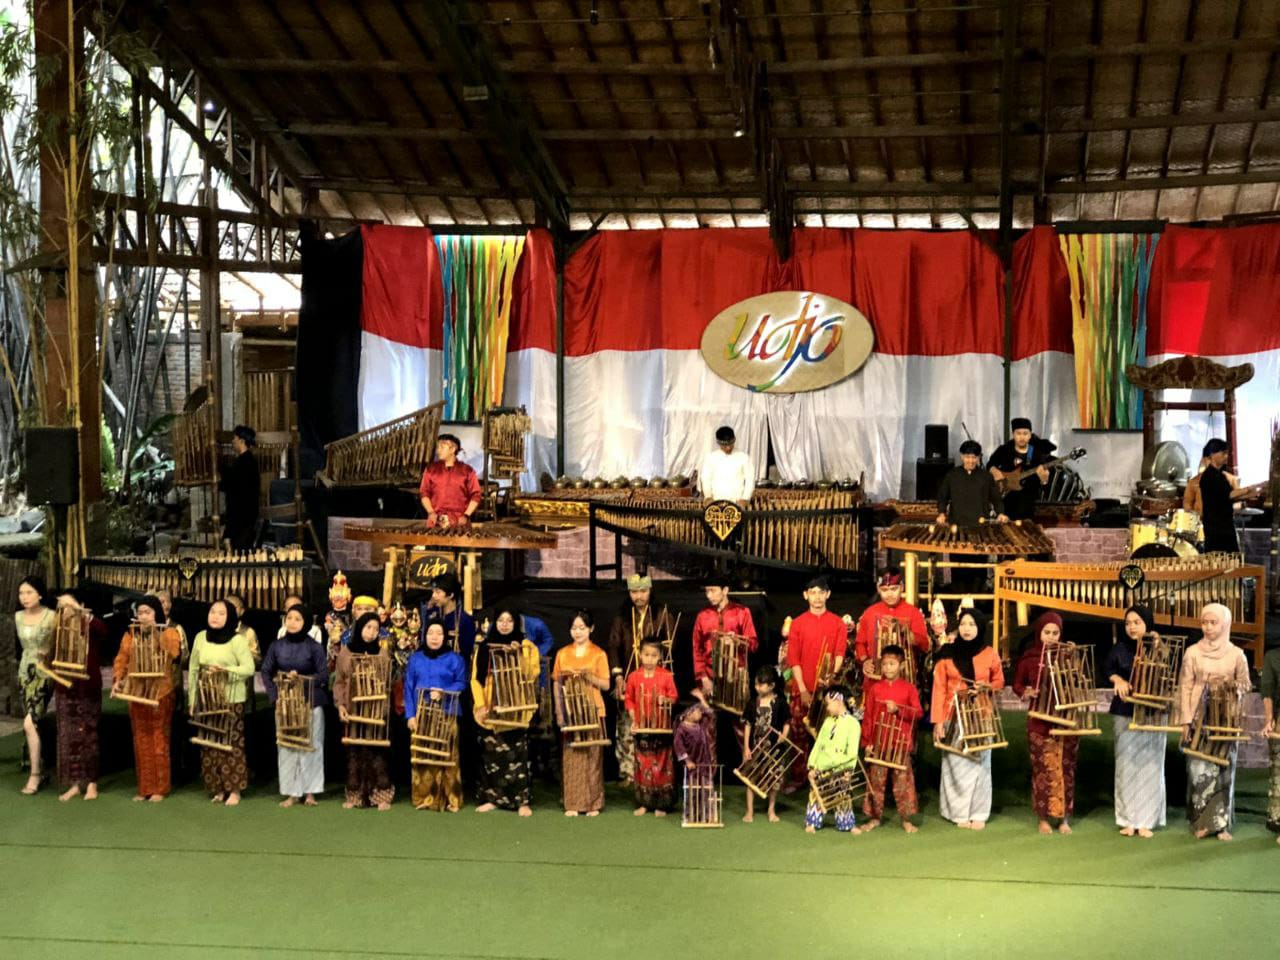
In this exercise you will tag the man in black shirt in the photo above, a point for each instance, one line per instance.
(968, 493)
(1216, 487)
(1025, 449)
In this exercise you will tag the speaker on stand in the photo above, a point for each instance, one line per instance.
(52, 458)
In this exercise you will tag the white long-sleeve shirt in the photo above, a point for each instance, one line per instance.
(726, 476)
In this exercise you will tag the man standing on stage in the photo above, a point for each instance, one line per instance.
(890, 589)
(450, 490)
(722, 616)
(967, 495)
(1216, 488)
(727, 474)
(1025, 450)
(636, 622)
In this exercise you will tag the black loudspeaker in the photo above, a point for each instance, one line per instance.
(53, 465)
(935, 441)
(929, 474)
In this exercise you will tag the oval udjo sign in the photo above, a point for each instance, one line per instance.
(787, 342)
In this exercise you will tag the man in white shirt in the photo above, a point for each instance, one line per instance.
(726, 474)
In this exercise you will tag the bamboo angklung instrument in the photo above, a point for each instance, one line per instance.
(211, 715)
(370, 708)
(892, 738)
(1065, 694)
(294, 698)
(731, 679)
(702, 797)
(824, 677)
(388, 454)
(768, 764)
(839, 789)
(890, 632)
(69, 659)
(579, 716)
(1153, 683)
(434, 740)
(149, 667)
(1218, 724)
(514, 695)
(655, 714)
(975, 724)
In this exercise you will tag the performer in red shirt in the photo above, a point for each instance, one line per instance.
(898, 701)
(450, 490)
(813, 634)
(722, 616)
(890, 588)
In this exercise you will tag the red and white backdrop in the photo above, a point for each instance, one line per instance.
(640, 400)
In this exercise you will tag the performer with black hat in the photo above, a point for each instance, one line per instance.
(241, 484)
(726, 473)
(1023, 450)
(450, 490)
(967, 495)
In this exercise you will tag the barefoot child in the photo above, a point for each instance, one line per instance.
(765, 719)
(898, 702)
(653, 775)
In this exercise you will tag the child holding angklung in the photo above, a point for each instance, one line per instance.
(694, 742)
(653, 775)
(835, 747)
(890, 706)
(765, 720)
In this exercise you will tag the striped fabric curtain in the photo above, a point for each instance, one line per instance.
(477, 274)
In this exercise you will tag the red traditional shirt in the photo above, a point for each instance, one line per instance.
(882, 692)
(450, 489)
(734, 618)
(661, 684)
(908, 613)
(811, 637)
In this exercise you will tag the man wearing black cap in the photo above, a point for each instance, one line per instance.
(450, 489)
(1025, 449)
(241, 484)
(968, 493)
(1216, 489)
(727, 474)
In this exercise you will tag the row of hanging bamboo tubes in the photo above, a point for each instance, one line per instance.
(260, 578)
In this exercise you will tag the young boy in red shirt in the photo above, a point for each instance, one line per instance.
(891, 709)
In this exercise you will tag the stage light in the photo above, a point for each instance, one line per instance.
(210, 107)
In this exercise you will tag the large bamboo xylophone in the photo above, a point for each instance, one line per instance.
(702, 797)
(150, 667)
(804, 529)
(69, 660)
(477, 536)
(1020, 538)
(263, 578)
(892, 738)
(434, 741)
(294, 697)
(731, 678)
(771, 758)
(370, 708)
(1176, 589)
(390, 454)
(1218, 724)
(211, 715)
(975, 724)
(577, 713)
(838, 790)
(1065, 694)
(514, 694)
(1153, 683)
(655, 714)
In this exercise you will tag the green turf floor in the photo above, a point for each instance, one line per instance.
(186, 879)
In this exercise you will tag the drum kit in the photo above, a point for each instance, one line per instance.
(1179, 534)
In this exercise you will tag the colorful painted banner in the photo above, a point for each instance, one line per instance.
(477, 274)
(1109, 275)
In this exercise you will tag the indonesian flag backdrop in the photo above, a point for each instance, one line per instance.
(640, 400)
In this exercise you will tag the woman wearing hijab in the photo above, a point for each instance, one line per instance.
(1053, 759)
(1139, 783)
(504, 761)
(368, 776)
(221, 649)
(438, 670)
(151, 725)
(1214, 660)
(297, 654)
(965, 795)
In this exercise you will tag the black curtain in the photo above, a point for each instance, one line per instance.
(327, 368)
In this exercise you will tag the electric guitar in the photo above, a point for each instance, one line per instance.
(1014, 479)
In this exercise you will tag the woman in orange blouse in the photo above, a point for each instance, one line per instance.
(965, 797)
(151, 725)
(583, 766)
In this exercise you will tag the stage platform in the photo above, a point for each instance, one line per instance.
(186, 879)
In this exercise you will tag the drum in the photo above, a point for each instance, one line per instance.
(1141, 533)
(1187, 523)
(1175, 548)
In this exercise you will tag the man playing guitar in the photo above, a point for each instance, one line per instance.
(1024, 450)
